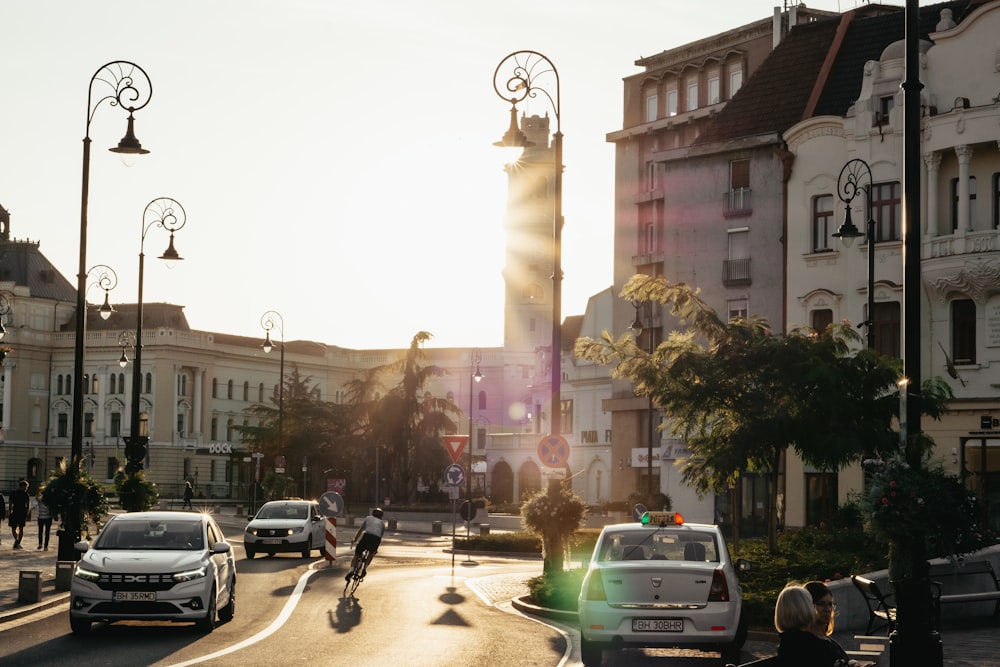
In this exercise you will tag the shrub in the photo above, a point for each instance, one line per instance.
(557, 590)
(519, 542)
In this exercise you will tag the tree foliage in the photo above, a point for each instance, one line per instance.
(740, 396)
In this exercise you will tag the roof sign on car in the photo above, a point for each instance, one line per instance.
(662, 519)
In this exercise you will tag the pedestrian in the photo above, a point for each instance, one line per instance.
(20, 502)
(188, 496)
(794, 617)
(3, 508)
(44, 522)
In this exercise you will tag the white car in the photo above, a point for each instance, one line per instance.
(286, 526)
(154, 566)
(661, 583)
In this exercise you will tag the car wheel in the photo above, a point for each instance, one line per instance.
(80, 626)
(226, 613)
(207, 624)
(590, 655)
(271, 554)
(306, 550)
(250, 553)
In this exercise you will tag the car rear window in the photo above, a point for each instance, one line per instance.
(659, 544)
(141, 535)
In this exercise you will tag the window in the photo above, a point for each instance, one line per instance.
(180, 425)
(116, 424)
(246, 391)
(94, 385)
(88, 424)
(566, 417)
(692, 95)
(737, 268)
(971, 222)
(112, 467)
(885, 323)
(229, 429)
(821, 496)
(480, 438)
(887, 212)
(823, 223)
(885, 106)
(229, 390)
(214, 433)
(215, 387)
(648, 229)
(59, 385)
(737, 199)
(714, 91)
(113, 387)
(672, 102)
(144, 424)
(86, 382)
(69, 384)
(149, 383)
(182, 384)
(532, 292)
(735, 81)
(963, 331)
(62, 425)
(482, 399)
(652, 176)
(260, 392)
(996, 201)
(820, 319)
(121, 383)
(652, 101)
(738, 309)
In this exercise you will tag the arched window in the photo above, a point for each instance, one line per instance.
(121, 383)
(246, 391)
(482, 399)
(149, 383)
(114, 385)
(215, 387)
(59, 384)
(260, 393)
(229, 390)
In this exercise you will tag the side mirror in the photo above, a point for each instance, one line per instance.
(222, 548)
(743, 565)
(82, 546)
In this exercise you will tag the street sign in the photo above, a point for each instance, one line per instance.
(455, 444)
(468, 511)
(331, 504)
(553, 451)
(454, 475)
(637, 511)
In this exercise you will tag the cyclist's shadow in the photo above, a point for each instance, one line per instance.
(346, 615)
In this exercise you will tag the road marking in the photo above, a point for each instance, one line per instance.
(276, 624)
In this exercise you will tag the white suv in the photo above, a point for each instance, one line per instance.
(286, 526)
(154, 566)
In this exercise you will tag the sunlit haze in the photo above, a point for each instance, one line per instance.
(335, 158)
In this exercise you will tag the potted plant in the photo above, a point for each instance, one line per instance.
(78, 501)
(135, 492)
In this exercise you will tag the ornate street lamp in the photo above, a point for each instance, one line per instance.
(130, 89)
(168, 214)
(271, 320)
(849, 186)
(637, 329)
(523, 70)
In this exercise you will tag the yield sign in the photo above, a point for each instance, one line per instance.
(455, 444)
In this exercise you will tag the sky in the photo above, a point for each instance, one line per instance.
(334, 159)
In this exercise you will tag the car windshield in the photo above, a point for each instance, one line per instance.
(659, 544)
(283, 512)
(170, 535)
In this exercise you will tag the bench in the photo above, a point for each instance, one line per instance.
(964, 582)
(881, 612)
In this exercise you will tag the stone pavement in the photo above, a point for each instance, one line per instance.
(969, 644)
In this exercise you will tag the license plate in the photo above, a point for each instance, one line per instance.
(135, 596)
(271, 541)
(657, 625)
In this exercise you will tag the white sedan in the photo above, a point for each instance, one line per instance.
(661, 583)
(154, 566)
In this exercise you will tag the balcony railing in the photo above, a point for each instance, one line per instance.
(736, 203)
(736, 271)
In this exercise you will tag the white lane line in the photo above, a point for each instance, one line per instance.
(286, 612)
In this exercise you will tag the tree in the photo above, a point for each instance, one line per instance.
(554, 516)
(405, 419)
(740, 396)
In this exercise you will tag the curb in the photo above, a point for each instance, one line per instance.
(522, 605)
(28, 609)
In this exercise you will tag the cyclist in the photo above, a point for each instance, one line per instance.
(369, 536)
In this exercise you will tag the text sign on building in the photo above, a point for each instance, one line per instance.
(640, 456)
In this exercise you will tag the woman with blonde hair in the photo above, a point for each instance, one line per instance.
(794, 618)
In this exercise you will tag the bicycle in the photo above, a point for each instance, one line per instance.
(359, 574)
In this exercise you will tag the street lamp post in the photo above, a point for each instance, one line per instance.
(525, 68)
(270, 320)
(849, 186)
(476, 377)
(168, 214)
(636, 332)
(130, 89)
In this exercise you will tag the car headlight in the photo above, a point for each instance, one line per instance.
(190, 575)
(296, 530)
(251, 531)
(85, 574)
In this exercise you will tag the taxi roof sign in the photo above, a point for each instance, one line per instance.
(661, 519)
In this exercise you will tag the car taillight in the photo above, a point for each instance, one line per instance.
(720, 589)
(593, 587)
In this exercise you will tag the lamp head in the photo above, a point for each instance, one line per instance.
(848, 231)
(478, 377)
(170, 254)
(513, 139)
(123, 361)
(129, 144)
(106, 308)
(267, 346)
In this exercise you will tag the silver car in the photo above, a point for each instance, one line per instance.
(661, 583)
(286, 526)
(154, 566)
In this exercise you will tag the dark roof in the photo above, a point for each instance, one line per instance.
(571, 328)
(154, 316)
(866, 39)
(22, 263)
(777, 95)
(773, 98)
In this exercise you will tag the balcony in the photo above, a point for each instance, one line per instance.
(736, 203)
(736, 272)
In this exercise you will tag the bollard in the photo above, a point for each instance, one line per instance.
(239, 510)
(29, 586)
(64, 574)
(436, 527)
(484, 529)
